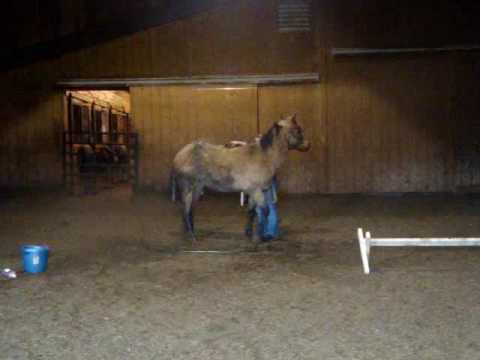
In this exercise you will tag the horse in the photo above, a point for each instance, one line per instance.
(249, 168)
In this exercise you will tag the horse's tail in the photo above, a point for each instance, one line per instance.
(173, 185)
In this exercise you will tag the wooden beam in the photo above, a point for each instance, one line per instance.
(386, 51)
(193, 80)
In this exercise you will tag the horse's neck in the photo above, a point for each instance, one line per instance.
(278, 152)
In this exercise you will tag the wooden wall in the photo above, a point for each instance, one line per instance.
(465, 121)
(388, 124)
(169, 117)
(30, 141)
(304, 172)
(393, 122)
(394, 24)
(378, 123)
(238, 39)
(233, 39)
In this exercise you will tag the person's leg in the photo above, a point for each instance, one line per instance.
(266, 217)
(262, 221)
(271, 230)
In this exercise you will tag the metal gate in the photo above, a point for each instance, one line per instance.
(99, 147)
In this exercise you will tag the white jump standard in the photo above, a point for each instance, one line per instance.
(366, 242)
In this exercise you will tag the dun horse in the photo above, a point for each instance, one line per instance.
(248, 168)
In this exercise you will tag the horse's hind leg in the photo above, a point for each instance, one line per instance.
(190, 196)
(187, 199)
(186, 190)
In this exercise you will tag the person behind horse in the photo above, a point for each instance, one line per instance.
(268, 228)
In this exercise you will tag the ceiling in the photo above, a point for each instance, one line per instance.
(34, 30)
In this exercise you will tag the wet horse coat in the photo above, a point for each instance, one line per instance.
(248, 168)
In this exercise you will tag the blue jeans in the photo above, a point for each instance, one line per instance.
(268, 219)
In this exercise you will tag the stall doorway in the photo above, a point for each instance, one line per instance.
(100, 145)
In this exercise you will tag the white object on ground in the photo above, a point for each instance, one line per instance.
(242, 199)
(366, 242)
(9, 273)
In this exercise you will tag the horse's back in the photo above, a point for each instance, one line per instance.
(220, 168)
(192, 155)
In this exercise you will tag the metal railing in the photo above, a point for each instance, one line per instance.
(116, 156)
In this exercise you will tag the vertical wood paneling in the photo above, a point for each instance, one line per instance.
(169, 51)
(389, 120)
(237, 39)
(49, 161)
(155, 131)
(377, 124)
(29, 143)
(303, 172)
(466, 134)
(178, 115)
(138, 99)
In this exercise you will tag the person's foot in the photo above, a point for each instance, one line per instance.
(267, 238)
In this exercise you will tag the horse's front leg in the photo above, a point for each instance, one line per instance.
(255, 199)
(251, 213)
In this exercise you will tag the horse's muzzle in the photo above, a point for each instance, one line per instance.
(305, 146)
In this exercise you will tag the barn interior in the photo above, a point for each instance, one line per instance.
(99, 142)
(99, 97)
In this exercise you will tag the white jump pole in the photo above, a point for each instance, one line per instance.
(366, 242)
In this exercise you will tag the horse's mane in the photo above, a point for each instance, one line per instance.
(266, 140)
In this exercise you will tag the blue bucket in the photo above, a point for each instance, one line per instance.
(35, 258)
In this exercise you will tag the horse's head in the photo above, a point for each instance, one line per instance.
(293, 133)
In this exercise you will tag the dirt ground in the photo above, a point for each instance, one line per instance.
(118, 288)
